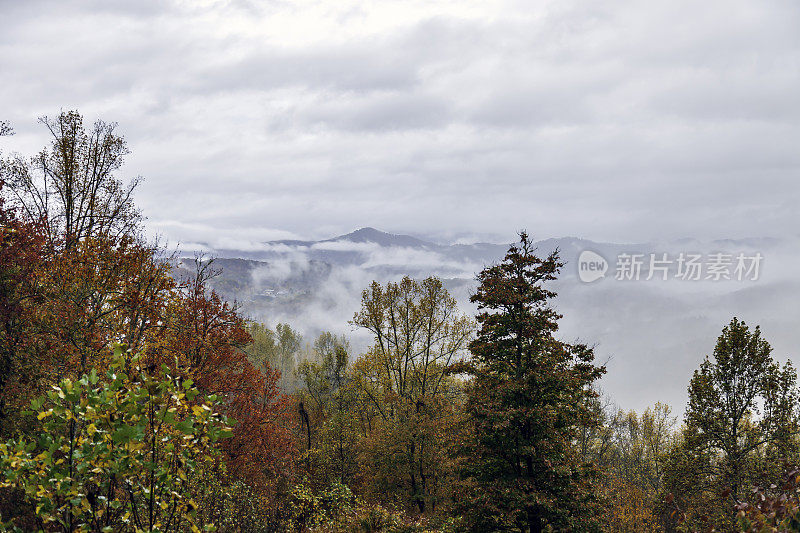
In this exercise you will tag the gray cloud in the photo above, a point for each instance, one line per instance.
(637, 121)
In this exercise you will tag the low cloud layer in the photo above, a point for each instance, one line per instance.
(651, 333)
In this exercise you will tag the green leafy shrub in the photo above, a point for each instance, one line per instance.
(231, 504)
(323, 510)
(116, 454)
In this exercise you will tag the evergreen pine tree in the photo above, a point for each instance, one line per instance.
(529, 396)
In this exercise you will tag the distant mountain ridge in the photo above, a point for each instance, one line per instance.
(382, 252)
(363, 235)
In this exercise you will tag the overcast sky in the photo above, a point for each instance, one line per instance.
(619, 120)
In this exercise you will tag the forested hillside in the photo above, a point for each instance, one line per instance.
(135, 397)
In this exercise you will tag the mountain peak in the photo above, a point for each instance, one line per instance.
(364, 234)
(381, 238)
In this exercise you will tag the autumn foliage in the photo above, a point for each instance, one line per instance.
(77, 276)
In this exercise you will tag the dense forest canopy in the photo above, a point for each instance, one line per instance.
(132, 400)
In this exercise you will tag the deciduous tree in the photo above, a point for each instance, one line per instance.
(71, 185)
(207, 337)
(741, 423)
(419, 333)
